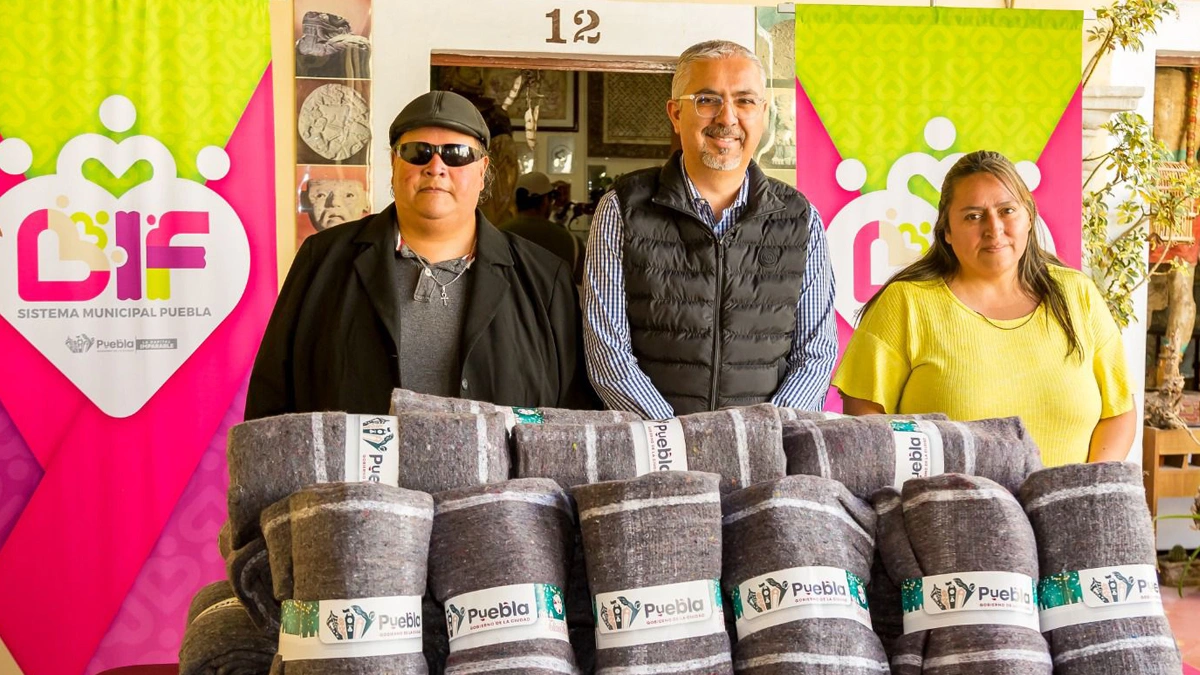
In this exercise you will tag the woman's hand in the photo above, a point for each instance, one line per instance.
(858, 406)
(1113, 437)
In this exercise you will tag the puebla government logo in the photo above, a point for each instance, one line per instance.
(142, 271)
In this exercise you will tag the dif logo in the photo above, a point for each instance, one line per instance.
(115, 242)
(81, 243)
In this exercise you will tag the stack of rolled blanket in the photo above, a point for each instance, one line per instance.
(963, 553)
(798, 554)
(273, 457)
(653, 549)
(359, 553)
(404, 400)
(220, 639)
(741, 445)
(498, 564)
(1101, 609)
(874, 451)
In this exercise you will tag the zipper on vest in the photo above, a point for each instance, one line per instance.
(716, 351)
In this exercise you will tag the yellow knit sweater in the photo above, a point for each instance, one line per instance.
(920, 349)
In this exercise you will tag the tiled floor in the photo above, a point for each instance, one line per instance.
(1184, 615)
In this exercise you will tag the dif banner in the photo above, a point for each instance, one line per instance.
(137, 271)
(889, 98)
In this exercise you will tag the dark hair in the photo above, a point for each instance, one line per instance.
(526, 201)
(1033, 269)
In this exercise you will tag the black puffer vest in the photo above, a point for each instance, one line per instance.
(711, 320)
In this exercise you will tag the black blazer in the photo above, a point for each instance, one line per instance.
(332, 341)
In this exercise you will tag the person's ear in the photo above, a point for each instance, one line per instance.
(674, 112)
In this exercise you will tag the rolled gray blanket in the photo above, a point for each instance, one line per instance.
(653, 549)
(273, 457)
(249, 571)
(404, 400)
(277, 533)
(796, 414)
(220, 639)
(798, 554)
(964, 555)
(498, 564)
(741, 445)
(225, 540)
(359, 554)
(887, 614)
(874, 451)
(207, 596)
(1101, 609)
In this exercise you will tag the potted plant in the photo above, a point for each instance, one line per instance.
(1177, 568)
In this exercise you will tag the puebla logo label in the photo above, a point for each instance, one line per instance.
(658, 606)
(1004, 598)
(1074, 597)
(111, 279)
(799, 593)
(530, 611)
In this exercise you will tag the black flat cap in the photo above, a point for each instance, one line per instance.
(444, 109)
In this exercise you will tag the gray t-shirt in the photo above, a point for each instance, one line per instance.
(433, 300)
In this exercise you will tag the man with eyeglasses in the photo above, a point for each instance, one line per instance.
(708, 284)
(427, 295)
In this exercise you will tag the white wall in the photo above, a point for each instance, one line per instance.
(407, 32)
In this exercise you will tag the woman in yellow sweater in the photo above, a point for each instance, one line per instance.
(988, 324)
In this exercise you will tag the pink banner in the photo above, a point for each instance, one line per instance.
(115, 468)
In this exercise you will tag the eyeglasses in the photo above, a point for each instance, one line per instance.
(420, 153)
(709, 106)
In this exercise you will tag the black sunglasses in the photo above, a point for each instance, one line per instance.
(420, 153)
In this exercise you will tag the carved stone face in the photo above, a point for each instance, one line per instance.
(336, 201)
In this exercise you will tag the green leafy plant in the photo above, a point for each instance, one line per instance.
(1122, 25)
(1133, 195)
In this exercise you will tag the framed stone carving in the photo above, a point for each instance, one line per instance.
(333, 123)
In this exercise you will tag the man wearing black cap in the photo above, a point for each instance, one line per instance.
(427, 295)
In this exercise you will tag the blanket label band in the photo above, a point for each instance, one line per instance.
(641, 616)
(517, 415)
(919, 452)
(658, 445)
(969, 599)
(372, 449)
(506, 614)
(339, 629)
(799, 593)
(1119, 592)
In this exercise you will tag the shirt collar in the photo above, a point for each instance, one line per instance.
(740, 200)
